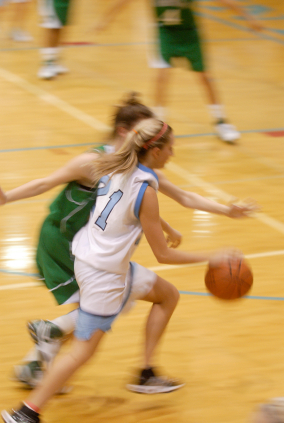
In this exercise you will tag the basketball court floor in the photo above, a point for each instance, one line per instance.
(230, 354)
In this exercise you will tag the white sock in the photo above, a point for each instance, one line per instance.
(217, 111)
(49, 53)
(67, 322)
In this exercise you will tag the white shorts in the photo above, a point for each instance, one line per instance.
(154, 56)
(49, 18)
(104, 294)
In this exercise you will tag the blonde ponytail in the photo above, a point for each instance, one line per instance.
(147, 134)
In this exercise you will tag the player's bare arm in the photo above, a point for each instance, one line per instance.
(174, 237)
(151, 225)
(77, 169)
(195, 201)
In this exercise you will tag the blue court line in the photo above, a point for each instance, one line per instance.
(249, 131)
(239, 27)
(12, 272)
(251, 297)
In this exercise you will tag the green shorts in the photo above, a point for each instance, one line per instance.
(55, 263)
(180, 42)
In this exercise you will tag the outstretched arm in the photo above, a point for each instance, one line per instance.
(151, 225)
(195, 201)
(77, 169)
(234, 5)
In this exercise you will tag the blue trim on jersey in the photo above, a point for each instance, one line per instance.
(139, 198)
(147, 169)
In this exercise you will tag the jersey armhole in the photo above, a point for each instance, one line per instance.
(139, 198)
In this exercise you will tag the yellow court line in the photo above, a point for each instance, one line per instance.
(53, 100)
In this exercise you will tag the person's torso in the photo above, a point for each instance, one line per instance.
(114, 230)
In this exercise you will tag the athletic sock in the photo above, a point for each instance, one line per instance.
(28, 411)
(147, 373)
(67, 322)
(217, 112)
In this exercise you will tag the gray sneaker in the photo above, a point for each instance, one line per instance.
(149, 383)
(17, 416)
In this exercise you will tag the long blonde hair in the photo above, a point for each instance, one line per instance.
(147, 134)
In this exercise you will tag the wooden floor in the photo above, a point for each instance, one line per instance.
(230, 354)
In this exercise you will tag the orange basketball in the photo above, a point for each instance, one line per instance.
(229, 281)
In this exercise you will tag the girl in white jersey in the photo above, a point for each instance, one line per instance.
(127, 206)
(50, 334)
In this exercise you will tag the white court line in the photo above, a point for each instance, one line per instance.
(222, 195)
(153, 268)
(96, 124)
(53, 100)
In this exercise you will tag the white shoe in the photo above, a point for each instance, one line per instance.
(47, 71)
(60, 69)
(50, 70)
(227, 132)
(21, 36)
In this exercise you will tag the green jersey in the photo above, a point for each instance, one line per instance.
(174, 13)
(69, 212)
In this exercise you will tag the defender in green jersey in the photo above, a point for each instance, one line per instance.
(178, 36)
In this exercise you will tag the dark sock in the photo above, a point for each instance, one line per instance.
(147, 373)
(29, 412)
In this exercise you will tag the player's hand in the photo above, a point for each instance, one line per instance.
(3, 198)
(244, 209)
(220, 257)
(174, 238)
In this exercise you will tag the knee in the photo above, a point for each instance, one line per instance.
(173, 295)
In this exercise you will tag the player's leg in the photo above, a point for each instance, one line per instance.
(147, 286)
(225, 130)
(90, 329)
(161, 92)
(54, 17)
(162, 76)
(49, 336)
(54, 379)
(164, 297)
(20, 12)
(193, 51)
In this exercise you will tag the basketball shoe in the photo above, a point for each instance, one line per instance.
(50, 69)
(148, 383)
(226, 132)
(29, 374)
(48, 337)
(24, 415)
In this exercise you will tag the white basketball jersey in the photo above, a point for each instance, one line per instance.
(110, 237)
